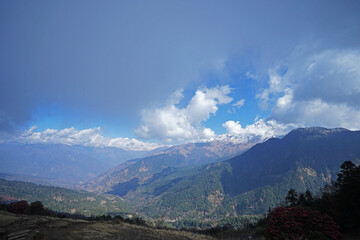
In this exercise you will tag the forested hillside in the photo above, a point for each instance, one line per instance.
(62, 199)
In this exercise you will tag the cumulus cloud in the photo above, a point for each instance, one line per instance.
(204, 103)
(171, 123)
(259, 131)
(317, 89)
(86, 137)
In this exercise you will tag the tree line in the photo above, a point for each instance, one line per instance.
(335, 212)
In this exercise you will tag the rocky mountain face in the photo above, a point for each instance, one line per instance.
(136, 172)
(57, 164)
(249, 183)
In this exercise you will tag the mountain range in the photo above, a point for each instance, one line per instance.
(208, 182)
(249, 183)
(58, 164)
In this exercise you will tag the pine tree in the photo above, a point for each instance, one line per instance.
(292, 197)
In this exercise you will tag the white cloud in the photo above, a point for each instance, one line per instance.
(176, 97)
(276, 85)
(204, 103)
(86, 137)
(171, 123)
(320, 113)
(239, 103)
(259, 131)
(321, 89)
(284, 103)
(250, 75)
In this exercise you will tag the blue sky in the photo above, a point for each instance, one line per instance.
(116, 64)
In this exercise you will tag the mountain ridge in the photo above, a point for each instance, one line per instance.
(143, 169)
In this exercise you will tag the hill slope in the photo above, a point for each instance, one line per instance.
(42, 227)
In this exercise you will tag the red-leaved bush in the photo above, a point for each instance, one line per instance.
(18, 207)
(301, 223)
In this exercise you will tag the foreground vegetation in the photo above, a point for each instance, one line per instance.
(111, 227)
(333, 215)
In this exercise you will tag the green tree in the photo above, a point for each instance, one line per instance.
(36, 208)
(346, 175)
(309, 198)
(347, 196)
(302, 200)
(292, 197)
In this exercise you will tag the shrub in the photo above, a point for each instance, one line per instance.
(303, 223)
(18, 207)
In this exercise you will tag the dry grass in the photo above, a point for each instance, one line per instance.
(54, 228)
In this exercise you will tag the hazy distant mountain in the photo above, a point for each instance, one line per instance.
(59, 164)
(62, 199)
(133, 173)
(253, 181)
